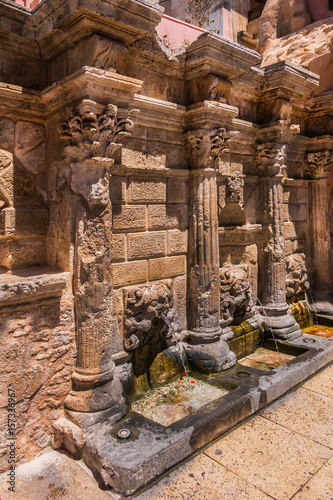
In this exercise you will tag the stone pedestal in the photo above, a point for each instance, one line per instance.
(205, 348)
(278, 323)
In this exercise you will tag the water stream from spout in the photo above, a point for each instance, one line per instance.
(267, 321)
(311, 305)
(179, 346)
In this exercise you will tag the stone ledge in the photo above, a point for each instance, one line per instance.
(31, 284)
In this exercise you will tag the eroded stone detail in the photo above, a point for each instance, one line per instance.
(148, 315)
(271, 159)
(206, 146)
(110, 55)
(143, 304)
(236, 299)
(296, 278)
(235, 185)
(94, 130)
(318, 164)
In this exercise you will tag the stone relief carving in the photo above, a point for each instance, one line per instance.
(296, 277)
(206, 146)
(6, 172)
(93, 130)
(234, 185)
(318, 164)
(143, 304)
(235, 295)
(110, 55)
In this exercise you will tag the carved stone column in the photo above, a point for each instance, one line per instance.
(205, 348)
(271, 165)
(91, 136)
(318, 164)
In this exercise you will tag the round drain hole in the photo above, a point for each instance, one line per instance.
(243, 374)
(308, 341)
(124, 434)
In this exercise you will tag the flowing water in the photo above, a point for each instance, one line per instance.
(267, 320)
(179, 346)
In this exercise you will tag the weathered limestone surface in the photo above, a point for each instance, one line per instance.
(149, 196)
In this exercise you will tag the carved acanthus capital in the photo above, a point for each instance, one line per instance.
(271, 159)
(94, 130)
(205, 147)
(318, 164)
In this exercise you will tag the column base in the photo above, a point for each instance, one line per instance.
(96, 399)
(278, 323)
(208, 355)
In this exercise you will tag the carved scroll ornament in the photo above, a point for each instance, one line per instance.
(235, 296)
(94, 130)
(143, 304)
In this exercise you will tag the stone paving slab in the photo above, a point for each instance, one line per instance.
(203, 479)
(308, 413)
(320, 486)
(322, 382)
(271, 457)
(53, 476)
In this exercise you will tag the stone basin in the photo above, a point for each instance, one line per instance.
(151, 448)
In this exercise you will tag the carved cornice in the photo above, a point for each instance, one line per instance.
(318, 164)
(94, 130)
(205, 147)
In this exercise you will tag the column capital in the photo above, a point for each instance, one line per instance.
(270, 159)
(205, 147)
(93, 130)
(318, 164)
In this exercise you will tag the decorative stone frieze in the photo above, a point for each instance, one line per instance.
(94, 130)
(110, 54)
(296, 277)
(235, 295)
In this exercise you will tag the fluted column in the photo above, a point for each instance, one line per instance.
(317, 169)
(271, 159)
(205, 348)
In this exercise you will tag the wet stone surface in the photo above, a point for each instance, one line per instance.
(177, 399)
(320, 331)
(264, 359)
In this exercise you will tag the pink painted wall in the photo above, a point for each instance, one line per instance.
(319, 9)
(177, 33)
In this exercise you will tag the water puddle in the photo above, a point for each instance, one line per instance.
(264, 359)
(177, 399)
(319, 330)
